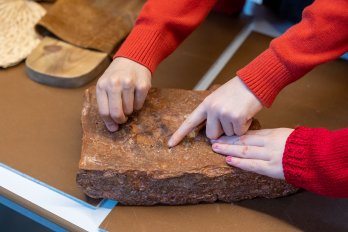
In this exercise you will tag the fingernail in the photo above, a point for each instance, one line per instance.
(213, 141)
(170, 142)
(229, 159)
(112, 127)
(216, 147)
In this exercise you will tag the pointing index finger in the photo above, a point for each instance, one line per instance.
(194, 120)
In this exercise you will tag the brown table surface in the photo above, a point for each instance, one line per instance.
(318, 100)
(41, 136)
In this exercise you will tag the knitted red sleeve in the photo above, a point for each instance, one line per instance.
(321, 36)
(161, 27)
(316, 159)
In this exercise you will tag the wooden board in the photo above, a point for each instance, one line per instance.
(56, 63)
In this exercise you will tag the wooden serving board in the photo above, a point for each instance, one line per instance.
(56, 63)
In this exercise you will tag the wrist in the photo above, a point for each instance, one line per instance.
(254, 101)
(266, 76)
(133, 65)
(144, 46)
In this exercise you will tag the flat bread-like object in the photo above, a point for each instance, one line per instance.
(135, 166)
(99, 25)
(18, 36)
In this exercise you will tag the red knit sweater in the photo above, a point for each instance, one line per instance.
(314, 159)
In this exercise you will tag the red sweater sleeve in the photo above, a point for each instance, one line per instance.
(317, 160)
(160, 28)
(321, 36)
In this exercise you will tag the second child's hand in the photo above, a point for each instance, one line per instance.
(228, 110)
(121, 90)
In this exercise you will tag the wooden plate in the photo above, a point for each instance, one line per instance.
(56, 63)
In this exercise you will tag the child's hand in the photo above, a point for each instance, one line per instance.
(259, 151)
(229, 110)
(120, 90)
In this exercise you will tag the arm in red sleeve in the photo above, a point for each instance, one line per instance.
(321, 36)
(160, 28)
(317, 160)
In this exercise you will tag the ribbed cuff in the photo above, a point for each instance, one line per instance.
(265, 76)
(295, 157)
(144, 46)
(316, 159)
